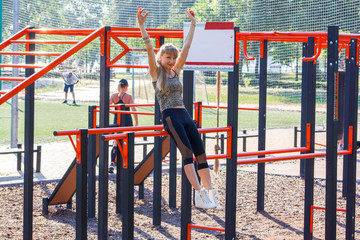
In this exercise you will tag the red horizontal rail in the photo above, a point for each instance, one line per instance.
(51, 65)
(21, 65)
(11, 79)
(127, 66)
(190, 226)
(224, 107)
(17, 35)
(3, 92)
(152, 34)
(131, 105)
(276, 151)
(45, 41)
(284, 158)
(322, 208)
(161, 133)
(125, 129)
(60, 31)
(31, 53)
(127, 112)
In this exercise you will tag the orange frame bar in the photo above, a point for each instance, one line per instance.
(190, 226)
(312, 207)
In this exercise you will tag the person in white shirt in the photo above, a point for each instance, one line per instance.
(70, 80)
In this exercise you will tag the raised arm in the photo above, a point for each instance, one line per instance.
(187, 42)
(149, 48)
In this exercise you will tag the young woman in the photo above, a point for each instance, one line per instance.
(165, 70)
(121, 97)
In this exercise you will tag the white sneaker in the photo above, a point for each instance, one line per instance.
(202, 199)
(213, 199)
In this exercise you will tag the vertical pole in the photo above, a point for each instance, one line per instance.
(262, 127)
(92, 165)
(351, 107)
(331, 134)
(173, 173)
(308, 116)
(157, 164)
(15, 73)
(81, 187)
(231, 163)
(128, 191)
(188, 81)
(103, 145)
(29, 147)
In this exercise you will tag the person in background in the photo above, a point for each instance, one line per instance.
(70, 80)
(122, 98)
(165, 70)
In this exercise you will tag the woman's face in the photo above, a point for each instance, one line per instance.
(168, 61)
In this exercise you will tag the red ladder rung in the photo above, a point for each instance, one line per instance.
(44, 41)
(2, 92)
(15, 79)
(21, 65)
(32, 53)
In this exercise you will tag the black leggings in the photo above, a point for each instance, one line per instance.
(178, 123)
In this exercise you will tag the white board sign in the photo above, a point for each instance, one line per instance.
(212, 48)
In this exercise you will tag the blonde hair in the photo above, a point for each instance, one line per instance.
(160, 71)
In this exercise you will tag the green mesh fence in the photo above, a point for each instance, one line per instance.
(284, 62)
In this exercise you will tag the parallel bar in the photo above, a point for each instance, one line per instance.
(262, 128)
(60, 31)
(126, 66)
(81, 189)
(331, 134)
(45, 41)
(17, 35)
(31, 53)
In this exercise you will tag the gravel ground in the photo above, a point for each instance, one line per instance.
(282, 219)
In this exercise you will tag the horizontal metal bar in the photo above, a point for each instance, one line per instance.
(126, 66)
(21, 66)
(31, 53)
(45, 41)
(207, 228)
(59, 31)
(15, 79)
(224, 107)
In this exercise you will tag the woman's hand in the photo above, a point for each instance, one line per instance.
(191, 16)
(140, 16)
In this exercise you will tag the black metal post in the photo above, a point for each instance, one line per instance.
(173, 173)
(231, 163)
(103, 145)
(19, 158)
(128, 191)
(262, 127)
(244, 141)
(188, 87)
(81, 187)
(308, 117)
(157, 181)
(331, 134)
(119, 180)
(92, 165)
(29, 147)
(295, 135)
(157, 164)
(38, 158)
(141, 185)
(351, 107)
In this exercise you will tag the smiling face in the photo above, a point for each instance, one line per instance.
(168, 60)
